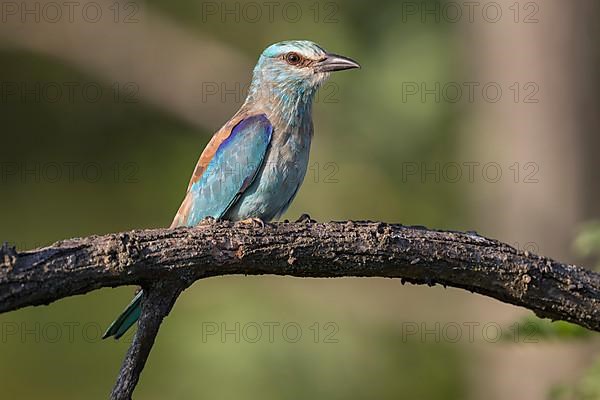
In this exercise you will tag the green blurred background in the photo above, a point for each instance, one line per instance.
(103, 117)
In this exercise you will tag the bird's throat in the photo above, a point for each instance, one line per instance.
(290, 105)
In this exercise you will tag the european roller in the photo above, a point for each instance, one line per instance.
(252, 168)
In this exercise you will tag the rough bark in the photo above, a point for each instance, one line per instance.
(164, 262)
(156, 304)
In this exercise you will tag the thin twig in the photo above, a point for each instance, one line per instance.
(157, 302)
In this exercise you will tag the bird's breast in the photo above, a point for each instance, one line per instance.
(280, 176)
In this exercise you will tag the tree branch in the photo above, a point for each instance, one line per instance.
(157, 302)
(165, 262)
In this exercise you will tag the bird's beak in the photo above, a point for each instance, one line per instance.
(333, 62)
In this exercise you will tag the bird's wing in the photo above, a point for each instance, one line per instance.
(227, 167)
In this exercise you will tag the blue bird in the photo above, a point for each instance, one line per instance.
(252, 168)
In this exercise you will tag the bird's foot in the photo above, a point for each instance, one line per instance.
(253, 221)
(208, 221)
(306, 219)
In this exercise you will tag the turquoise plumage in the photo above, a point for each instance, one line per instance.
(126, 319)
(231, 171)
(254, 165)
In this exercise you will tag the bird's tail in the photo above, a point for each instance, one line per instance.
(126, 319)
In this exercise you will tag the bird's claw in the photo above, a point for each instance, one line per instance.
(208, 221)
(252, 221)
(306, 219)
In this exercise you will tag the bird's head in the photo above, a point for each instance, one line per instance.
(296, 67)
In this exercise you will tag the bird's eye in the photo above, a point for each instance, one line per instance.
(292, 58)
